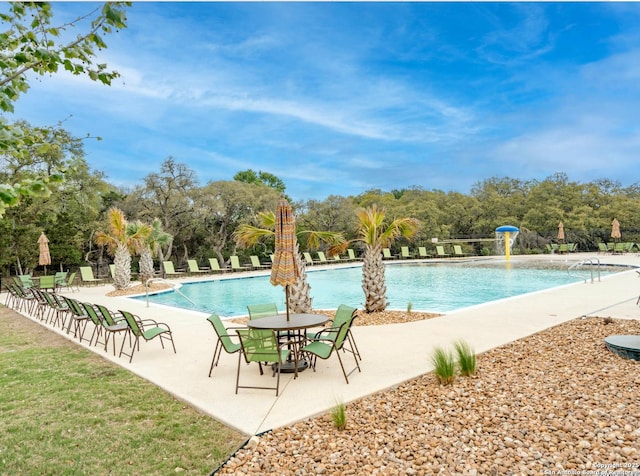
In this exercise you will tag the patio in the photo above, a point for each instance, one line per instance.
(383, 366)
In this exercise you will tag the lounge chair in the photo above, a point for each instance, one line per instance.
(194, 268)
(457, 251)
(307, 258)
(422, 252)
(215, 266)
(256, 264)
(440, 252)
(169, 270)
(260, 346)
(331, 340)
(26, 281)
(386, 254)
(86, 275)
(404, 252)
(352, 255)
(146, 329)
(236, 266)
(224, 340)
(602, 248)
(322, 259)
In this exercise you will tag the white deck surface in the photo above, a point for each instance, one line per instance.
(391, 354)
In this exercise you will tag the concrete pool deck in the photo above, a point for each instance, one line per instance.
(391, 353)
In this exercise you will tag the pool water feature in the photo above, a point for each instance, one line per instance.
(434, 287)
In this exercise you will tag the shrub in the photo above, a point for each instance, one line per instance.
(444, 365)
(339, 415)
(466, 358)
(409, 307)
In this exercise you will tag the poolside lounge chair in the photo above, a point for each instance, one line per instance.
(215, 266)
(386, 254)
(86, 275)
(224, 340)
(169, 270)
(440, 252)
(307, 258)
(260, 346)
(422, 252)
(236, 266)
(194, 268)
(322, 259)
(602, 247)
(256, 264)
(331, 340)
(26, 281)
(457, 251)
(404, 252)
(146, 329)
(352, 255)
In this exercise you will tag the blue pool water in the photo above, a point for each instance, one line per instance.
(436, 288)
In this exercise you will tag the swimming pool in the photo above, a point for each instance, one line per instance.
(428, 287)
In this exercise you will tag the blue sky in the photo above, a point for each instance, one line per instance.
(338, 98)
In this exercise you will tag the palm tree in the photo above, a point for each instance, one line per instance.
(300, 293)
(121, 239)
(376, 234)
(152, 247)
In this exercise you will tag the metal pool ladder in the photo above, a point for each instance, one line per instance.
(590, 262)
(176, 287)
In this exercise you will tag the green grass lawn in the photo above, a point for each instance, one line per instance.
(66, 411)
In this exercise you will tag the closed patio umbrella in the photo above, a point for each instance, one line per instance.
(284, 271)
(615, 230)
(45, 256)
(560, 231)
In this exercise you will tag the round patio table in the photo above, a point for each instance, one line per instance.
(295, 324)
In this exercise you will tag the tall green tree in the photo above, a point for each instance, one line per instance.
(30, 43)
(376, 233)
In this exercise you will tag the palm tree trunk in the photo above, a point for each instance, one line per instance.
(300, 293)
(373, 280)
(146, 265)
(122, 261)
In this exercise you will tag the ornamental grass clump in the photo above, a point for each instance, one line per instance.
(444, 365)
(339, 415)
(466, 358)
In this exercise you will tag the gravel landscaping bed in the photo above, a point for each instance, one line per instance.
(557, 400)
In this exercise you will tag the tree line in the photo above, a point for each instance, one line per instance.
(203, 219)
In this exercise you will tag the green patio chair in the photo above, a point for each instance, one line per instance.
(236, 266)
(61, 278)
(225, 340)
(114, 324)
(457, 251)
(256, 264)
(256, 311)
(307, 258)
(352, 255)
(194, 268)
(169, 270)
(47, 282)
(146, 329)
(322, 259)
(87, 277)
(100, 324)
(405, 253)
(261, 346)
(386, 254)
(422, 252)
(215, 266)
(440, 253)
(26, 281)
(79, 317)
(331, 340)
(69, 282)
